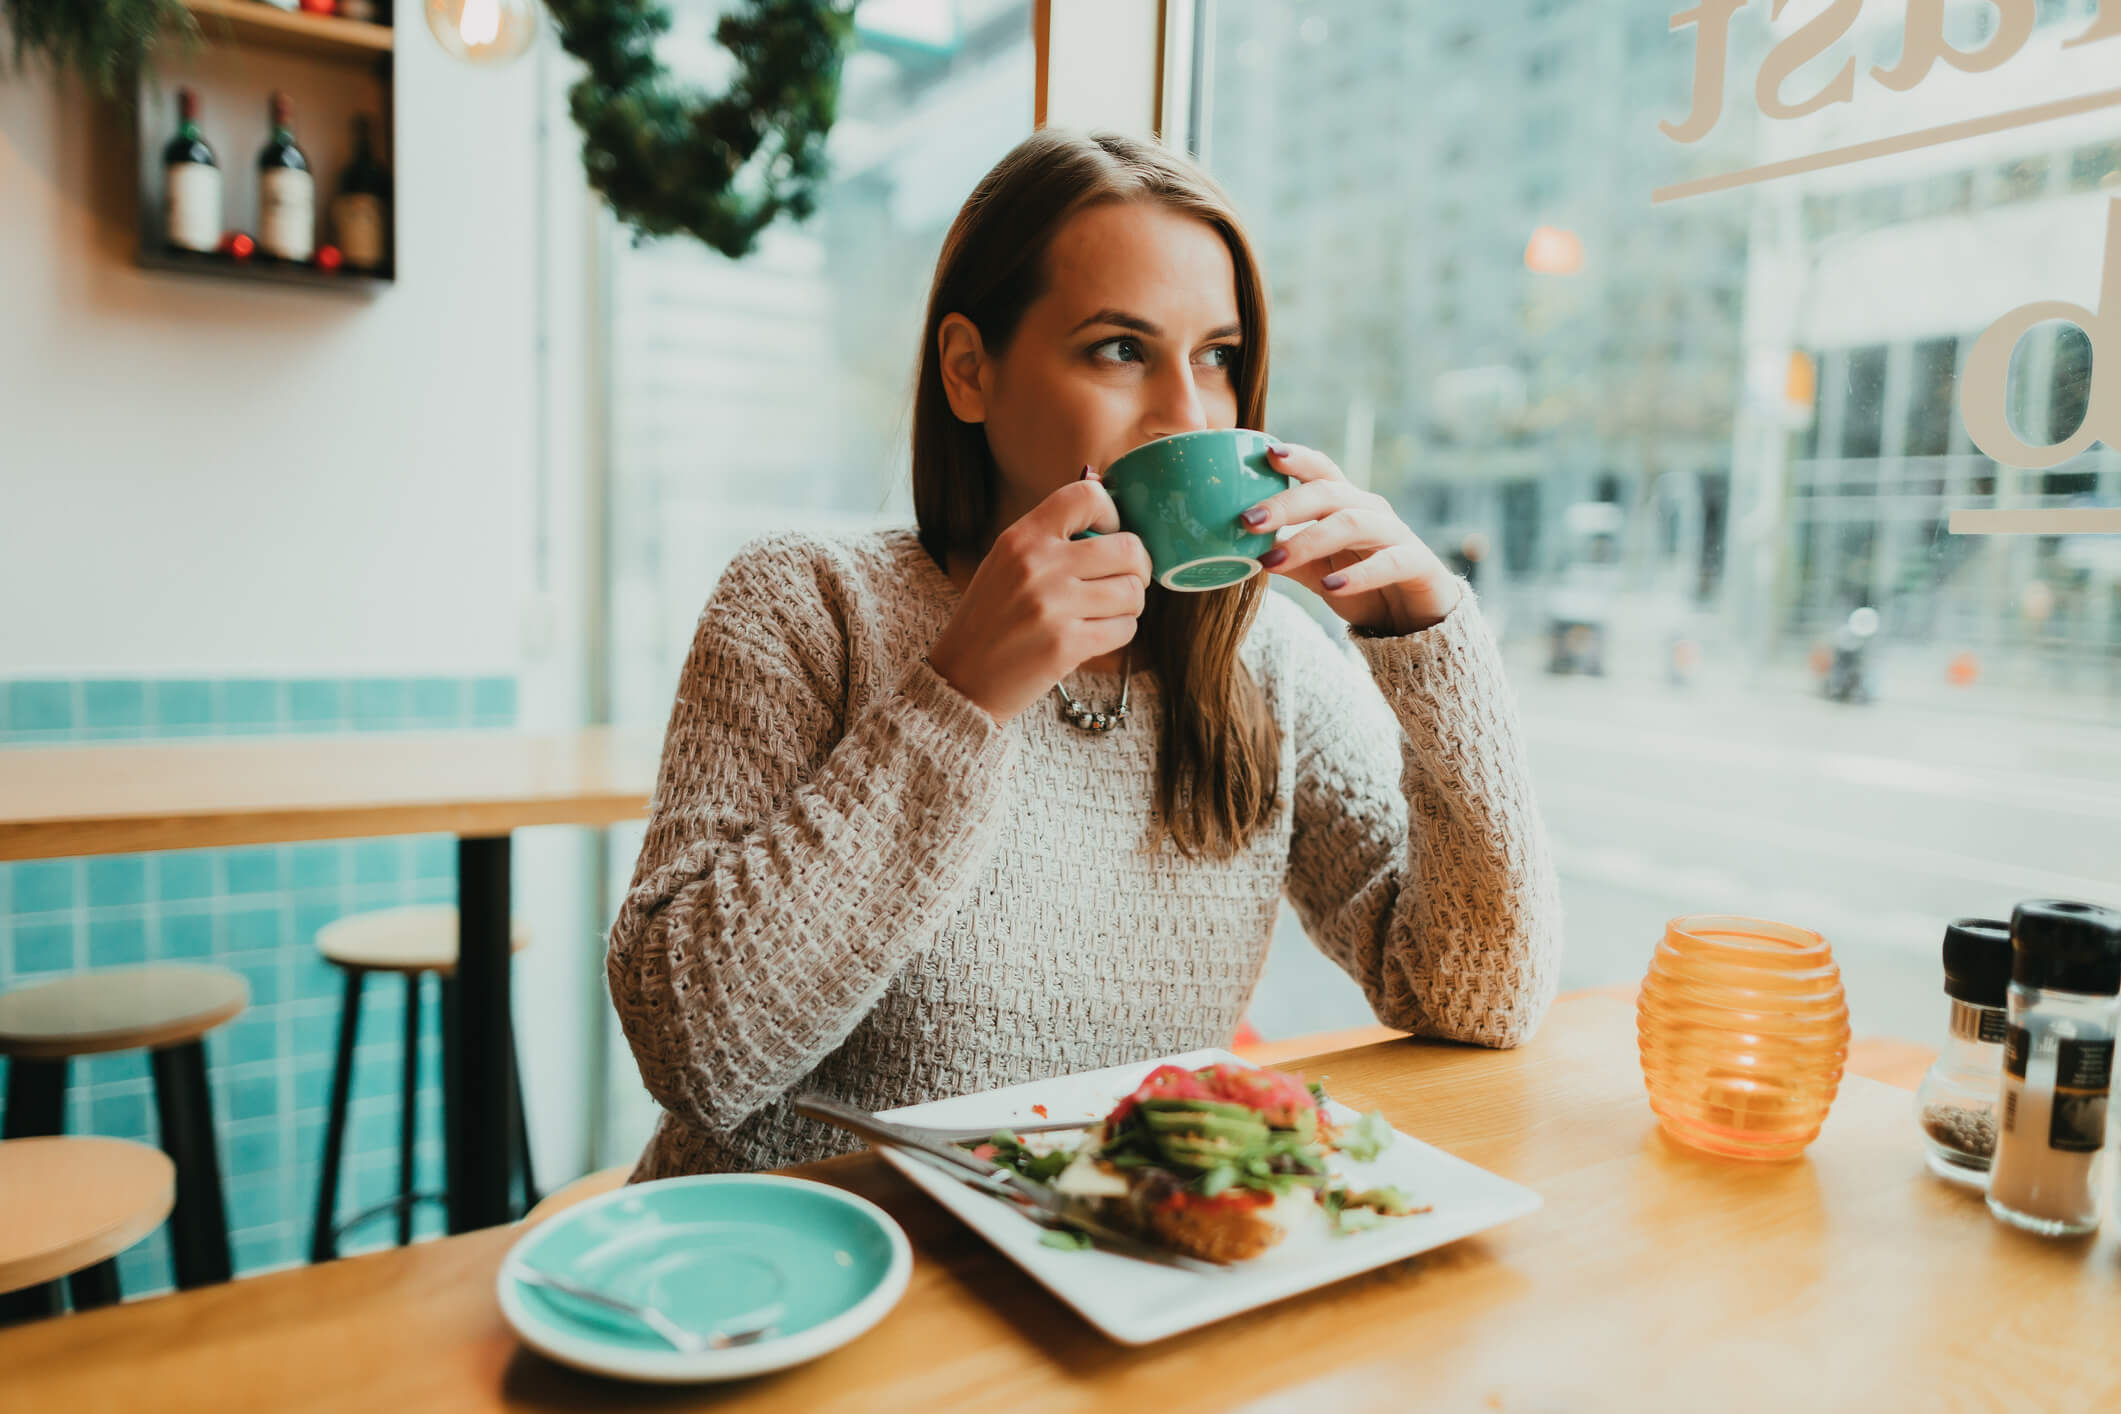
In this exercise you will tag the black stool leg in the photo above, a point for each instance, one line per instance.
(95, 1286)
(522, 1135)
(36, 1098)
(31, 1303)
(452, 1154)
(323, 1244)
(480, 1119)
(409, 1114)
(198, 1225)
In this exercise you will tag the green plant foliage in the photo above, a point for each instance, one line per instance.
(103, 41)
(673, 160)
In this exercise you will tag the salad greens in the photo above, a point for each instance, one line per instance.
(1013, 1154)
(1367, 1137)
(1218, 1145)
(1350, 1210)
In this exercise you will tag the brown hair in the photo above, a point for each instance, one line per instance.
(1219, 768)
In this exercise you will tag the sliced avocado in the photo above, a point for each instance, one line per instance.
(1214, 1107)
(1183, 1149)
(1243, 1126)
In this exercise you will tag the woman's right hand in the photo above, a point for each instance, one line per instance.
(1041, 604)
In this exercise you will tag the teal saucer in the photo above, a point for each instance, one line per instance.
(717, 1252)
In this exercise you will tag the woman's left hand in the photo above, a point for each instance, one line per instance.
(1358, 555)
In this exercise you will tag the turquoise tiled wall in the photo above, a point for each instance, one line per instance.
(256, 910)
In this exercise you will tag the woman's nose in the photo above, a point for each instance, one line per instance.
(1174, 404)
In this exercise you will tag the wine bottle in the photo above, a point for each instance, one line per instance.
(287, 194)
(191, 208)
(360, 213)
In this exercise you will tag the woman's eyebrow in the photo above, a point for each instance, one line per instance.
(1141, 326)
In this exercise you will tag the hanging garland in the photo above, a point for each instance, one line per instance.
(672, 160)
(104, 41)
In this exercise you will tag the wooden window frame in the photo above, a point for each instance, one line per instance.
(1122, 65)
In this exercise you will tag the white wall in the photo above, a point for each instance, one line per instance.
(201, 477)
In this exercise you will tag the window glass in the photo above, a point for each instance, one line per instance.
(775, 392)
(1740, 420)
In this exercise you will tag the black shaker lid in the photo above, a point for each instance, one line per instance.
(1977, 960)
(2068, 947)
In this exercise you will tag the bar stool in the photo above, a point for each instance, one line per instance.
(165, 1010)
(413, 941)
(68, 1207)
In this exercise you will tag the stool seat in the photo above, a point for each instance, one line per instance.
(72, 1202)
(421, 938)
(122, 1009)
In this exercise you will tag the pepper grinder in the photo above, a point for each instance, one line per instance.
(1956, 1103)
(2058, 1056)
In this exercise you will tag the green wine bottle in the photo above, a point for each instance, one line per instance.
(191, 190)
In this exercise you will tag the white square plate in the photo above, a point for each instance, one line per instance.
(1135, 1301)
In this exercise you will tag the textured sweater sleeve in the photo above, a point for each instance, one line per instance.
(795, 861)
(1418, 860)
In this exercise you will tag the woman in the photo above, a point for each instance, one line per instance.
(883, 863)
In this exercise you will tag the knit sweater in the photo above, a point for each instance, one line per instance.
(854, 880)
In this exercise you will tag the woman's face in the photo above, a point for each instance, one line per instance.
(1136, 337)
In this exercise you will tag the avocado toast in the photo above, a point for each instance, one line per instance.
(1218, 1163)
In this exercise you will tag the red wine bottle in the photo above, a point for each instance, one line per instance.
(360, 213)
(287, 193)
(191, 189)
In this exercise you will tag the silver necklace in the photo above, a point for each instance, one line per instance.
(1100, 719)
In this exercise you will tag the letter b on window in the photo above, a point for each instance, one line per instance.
(1983, 391)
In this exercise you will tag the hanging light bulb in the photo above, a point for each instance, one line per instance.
(484, 31)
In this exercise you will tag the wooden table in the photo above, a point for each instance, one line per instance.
(1653, 1279)
(477, 785)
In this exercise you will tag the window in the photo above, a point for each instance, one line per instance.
(2069, 383)
(1944, 195)
(1930, 400)
(2091, 167)
(771, 393)
(799, 355)
(1763, 495)
(2022, 179)
(1863, 407)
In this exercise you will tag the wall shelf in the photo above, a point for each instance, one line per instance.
(333, 69)
(262, 270)
(263, 26)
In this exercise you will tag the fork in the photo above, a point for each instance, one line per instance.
(683, 1339)
(972, 1136)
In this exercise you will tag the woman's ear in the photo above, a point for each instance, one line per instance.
(962, 357)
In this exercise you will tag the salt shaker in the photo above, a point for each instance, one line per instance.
(1956, 1103)
(2058, 1056)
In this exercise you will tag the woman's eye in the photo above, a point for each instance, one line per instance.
(1221, 355)
(1118, 351)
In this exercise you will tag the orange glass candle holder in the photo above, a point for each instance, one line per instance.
(1744, 1030)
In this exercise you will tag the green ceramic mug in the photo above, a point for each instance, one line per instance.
(1183, 495)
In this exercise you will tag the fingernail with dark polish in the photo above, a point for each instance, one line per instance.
(1255, 515)
(1334, 581)
(1273, 557)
